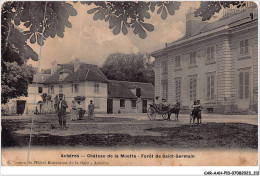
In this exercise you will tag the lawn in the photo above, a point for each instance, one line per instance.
(107, 132)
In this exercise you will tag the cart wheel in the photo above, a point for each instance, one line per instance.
(151, 113)
(165, 116)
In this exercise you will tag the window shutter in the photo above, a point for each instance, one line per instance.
(212, 87)
(241, 85)
(241, 47)
(208, 53)
(246, 46)
(213, 52)
(208, 87)
(247, 84)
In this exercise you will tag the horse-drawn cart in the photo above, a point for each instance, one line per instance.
(164, 111)
(154, 109)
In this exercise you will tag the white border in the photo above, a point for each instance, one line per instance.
(129, 170)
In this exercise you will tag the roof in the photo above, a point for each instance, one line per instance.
(86, 72)
(237, 19)
(37, 78)
(46, 71)
(122, 89)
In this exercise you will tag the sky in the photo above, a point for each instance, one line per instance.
(92, 41)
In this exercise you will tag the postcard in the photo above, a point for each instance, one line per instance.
(135, 83)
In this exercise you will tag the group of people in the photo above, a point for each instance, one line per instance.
(196, 107)
(77, 112)
(161, 104)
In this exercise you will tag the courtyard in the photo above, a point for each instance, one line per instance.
(133, 131)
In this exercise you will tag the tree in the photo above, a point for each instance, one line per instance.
(122, 16)
(15, 80)
(24, 21)
(208, 8)
(128, 67)
(14, 48)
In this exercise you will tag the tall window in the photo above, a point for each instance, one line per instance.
(210, 81)
(39, 89)
(243, 90)
(244, 47)
(178, 89)
(51, 89)
(211, 53)
(133, 103)
(75, 88)
(60, 88)
(193, 88)
(122, 103)
(96, 88)
(164, 66)
(165, 90)
(193, 60)
(178, 61)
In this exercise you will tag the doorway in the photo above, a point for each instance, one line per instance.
(144, 109)
(110, 106)
(20, 107)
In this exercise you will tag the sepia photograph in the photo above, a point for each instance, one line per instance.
(129, 83)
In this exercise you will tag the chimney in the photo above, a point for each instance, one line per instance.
(76, 64)
(193, 24)
(54, 67)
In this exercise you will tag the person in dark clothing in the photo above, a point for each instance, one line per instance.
(61, 110)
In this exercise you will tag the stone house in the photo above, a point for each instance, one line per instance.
(129, 97)
(215, 62)
(78, 79)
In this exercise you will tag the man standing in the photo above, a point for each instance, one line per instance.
(61, 109)
(91, 108)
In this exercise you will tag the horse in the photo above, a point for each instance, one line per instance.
(175, 109)
(196, 115)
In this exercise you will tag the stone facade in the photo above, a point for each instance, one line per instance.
(217, 65)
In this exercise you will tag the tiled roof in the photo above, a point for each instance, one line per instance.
(122, 89)
(86, 72)
(37, 78)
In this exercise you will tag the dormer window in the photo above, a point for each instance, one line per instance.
(138, 92)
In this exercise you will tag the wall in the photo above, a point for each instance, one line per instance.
(85, 89)
(101, 96)
(225, 69)
(123, 110)
(128, 106)
(250, 63)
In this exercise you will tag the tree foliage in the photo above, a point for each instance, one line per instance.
(208, 8)
(15, 80)
(22, 21)
(29, 16)
(128, 67)
(123, 16)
